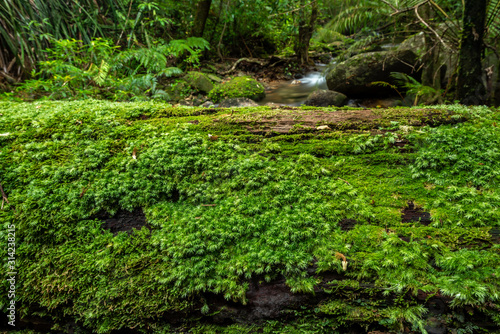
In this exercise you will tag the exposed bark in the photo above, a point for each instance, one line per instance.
(200, 17)
(470, 87)
(306, 29)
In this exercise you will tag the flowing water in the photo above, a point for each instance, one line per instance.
(295, 92)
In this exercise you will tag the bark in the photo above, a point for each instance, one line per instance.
(470, 87)
(200, 17)
(306, 29)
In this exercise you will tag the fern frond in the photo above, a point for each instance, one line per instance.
(102, 73)
(170, 71)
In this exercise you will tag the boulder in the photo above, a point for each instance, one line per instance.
(325, 98)
(354, 76)
(440, 61)
(237, 102)
(199, 81)
(238, 87)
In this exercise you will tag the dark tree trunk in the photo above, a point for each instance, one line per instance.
(306, 29)
(470, 87)
(200, 17)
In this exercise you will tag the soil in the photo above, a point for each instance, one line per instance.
(123, 221)
(347, 224)
(413, 213)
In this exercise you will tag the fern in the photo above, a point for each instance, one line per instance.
(415, 88)
(102, 72)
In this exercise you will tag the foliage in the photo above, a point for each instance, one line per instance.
(74, 70)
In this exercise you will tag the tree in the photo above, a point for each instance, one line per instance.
(200, 17)
(470, 87)
(306, 29)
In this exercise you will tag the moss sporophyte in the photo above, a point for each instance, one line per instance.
(137, 215)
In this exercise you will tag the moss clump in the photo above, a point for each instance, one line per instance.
(199, 81)
(238, 87)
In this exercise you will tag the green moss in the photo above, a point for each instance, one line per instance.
(238, 87)
(223, 213)
(199, 81)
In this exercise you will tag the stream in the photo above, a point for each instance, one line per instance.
(295, 92)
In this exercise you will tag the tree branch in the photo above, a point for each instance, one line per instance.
(250, 60)
(428, 26)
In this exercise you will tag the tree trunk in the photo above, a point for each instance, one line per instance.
(200, 17)
(470, 87)
(306, 28)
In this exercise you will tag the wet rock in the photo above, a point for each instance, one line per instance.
(207, 104)
(354, 76)
(435, 326)
(273, 105)
(440, 63)
(237, 102)
(325, 98)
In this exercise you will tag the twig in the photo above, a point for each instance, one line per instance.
(209, 205)
(4, 196)
(428, 26)
(390, 5)
(344, 181)
(399, 11)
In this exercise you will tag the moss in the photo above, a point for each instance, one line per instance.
(224, 213)
(199, 81)
(238, 87)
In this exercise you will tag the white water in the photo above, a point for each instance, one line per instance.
(295, 94)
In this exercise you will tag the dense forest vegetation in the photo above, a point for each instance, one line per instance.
(168, 166)
(129, 50)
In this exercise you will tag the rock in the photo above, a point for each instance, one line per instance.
(440, 62)
(323, 127)
(237, 102)
(214, 78)
(207, 104)
(354, 76)
(274, 105)
(296, 82)
(199, 82)
(325, 98)
(178, 90)
(238, 87)
(415, 43)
